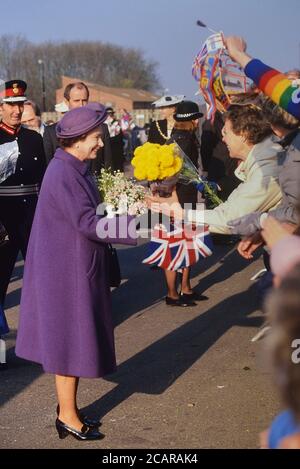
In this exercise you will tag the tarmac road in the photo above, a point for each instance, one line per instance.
(187, 377)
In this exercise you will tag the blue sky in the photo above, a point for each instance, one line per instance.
(164, 29)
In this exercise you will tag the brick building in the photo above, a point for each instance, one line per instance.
(137, 102)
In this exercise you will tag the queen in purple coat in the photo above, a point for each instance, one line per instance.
(65, 313)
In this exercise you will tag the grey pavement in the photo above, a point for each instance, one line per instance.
(187, 377)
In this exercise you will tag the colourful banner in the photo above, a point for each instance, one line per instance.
(218, 76)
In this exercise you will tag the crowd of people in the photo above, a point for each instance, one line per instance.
(250, 154)
(277, 111)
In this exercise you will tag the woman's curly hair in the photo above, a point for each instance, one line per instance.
(249, 121)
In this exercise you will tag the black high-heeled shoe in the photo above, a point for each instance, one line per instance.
(86, 433)
(193, 296)
(182, 302)
(86, 420)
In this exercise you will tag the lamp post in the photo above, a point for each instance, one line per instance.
(42, 65)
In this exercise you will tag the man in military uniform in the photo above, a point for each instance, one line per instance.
(22, 166)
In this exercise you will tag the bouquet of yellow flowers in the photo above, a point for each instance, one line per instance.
(159, 164)
(154, 162)
(164, 166)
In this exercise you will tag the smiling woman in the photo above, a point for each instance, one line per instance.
(65, 313)
(248, 137)
(245, 126)
(85, 146)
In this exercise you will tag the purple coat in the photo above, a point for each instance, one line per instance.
(65, 313)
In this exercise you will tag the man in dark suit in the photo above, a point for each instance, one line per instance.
(77, 95)
(22, 166)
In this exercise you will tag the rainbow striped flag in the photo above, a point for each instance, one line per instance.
(275, 85)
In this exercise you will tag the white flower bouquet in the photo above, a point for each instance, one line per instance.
(120, 194)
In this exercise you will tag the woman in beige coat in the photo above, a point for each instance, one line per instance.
(249, 139)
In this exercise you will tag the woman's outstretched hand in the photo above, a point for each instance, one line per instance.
(248, 245)
(169, 206)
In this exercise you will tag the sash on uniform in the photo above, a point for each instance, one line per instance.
(9, 153)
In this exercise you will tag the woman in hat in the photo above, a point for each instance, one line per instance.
(160, 130)
(65, 314)
(116, 139)
(249, 138)
(186, 121)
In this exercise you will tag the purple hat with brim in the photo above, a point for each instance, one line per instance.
(98, 107)
(79, 121)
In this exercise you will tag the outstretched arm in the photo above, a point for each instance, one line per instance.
(272, 82)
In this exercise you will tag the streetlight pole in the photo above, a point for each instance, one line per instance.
(42, 65)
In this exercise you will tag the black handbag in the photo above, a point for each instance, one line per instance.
(114, 267)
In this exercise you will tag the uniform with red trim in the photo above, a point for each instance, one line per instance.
(22, 166)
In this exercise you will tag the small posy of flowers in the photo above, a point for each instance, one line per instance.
(120, 194)
(154, 162)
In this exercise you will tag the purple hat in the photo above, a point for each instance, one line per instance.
(97, 107)
(79, 121)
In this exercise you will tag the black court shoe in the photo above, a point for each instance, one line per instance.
(193, 296)
(181, 302)
(87, 421)
(86, 433)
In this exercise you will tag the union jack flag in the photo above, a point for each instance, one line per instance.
(180, 246)
(198, 62)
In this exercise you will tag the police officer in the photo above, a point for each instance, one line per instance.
(22, 166)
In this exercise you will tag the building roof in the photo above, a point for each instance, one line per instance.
(128, 93)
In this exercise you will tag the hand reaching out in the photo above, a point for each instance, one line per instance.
(169, 206)
(248, 245)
